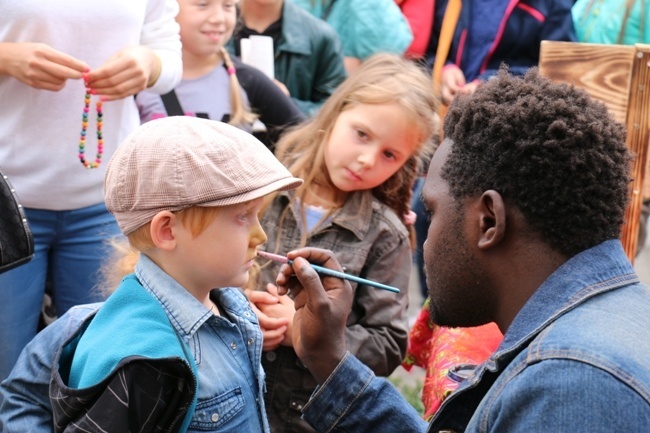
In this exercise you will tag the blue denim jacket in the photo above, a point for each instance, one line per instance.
(575, 359)
(227, 353)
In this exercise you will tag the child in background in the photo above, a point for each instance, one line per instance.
(176, 346)
(209, 74)
(359, 157)
(308, 55)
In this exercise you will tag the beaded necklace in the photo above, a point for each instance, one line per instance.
(84, 128)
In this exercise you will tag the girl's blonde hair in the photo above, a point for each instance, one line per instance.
(382, 79)
(126, 252)
(240, 115)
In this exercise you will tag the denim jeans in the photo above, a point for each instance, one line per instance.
(69, 249)
(421, 228)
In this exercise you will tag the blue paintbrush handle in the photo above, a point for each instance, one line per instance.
(326, 271)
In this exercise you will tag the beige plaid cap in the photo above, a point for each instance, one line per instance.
(177, 162)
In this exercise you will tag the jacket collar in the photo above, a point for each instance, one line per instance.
(594, 271)
(600, 269)
(355, 215)
(293, 39)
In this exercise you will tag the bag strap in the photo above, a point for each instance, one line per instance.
(16, 239)
(449, 21)
(172, 105)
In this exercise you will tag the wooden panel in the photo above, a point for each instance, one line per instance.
(638, 134)
(602, 70)
(619, 76)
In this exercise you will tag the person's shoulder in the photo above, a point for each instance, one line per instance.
(307, 19)
(602, 332)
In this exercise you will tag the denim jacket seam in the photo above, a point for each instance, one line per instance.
(602, 286)
(540, 354)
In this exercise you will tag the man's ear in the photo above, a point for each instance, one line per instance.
(162, 230)
(492, 215)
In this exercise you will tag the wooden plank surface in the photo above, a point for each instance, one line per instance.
(602, 70)
(618, 76)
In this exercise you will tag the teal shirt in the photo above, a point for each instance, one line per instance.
(602, 23)
(366, 27)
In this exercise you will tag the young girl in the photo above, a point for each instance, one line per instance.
(358, 158)
(209, 74)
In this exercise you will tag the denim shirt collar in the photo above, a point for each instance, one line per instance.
(185, 312)
(355, 215)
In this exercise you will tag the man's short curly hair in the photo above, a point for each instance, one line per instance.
(547, 148)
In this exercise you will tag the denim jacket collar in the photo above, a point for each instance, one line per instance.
(597, 270)
(587, 274)
(355, 215)
(185, 312)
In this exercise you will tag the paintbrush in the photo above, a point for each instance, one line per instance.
(329, 272)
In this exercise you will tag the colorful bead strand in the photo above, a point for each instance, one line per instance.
(84, 129)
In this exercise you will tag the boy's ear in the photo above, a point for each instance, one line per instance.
(492, 219)
(162, 229)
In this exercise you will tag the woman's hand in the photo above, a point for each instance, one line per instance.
(39, 65)
(126, 73)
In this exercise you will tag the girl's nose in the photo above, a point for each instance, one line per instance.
(367, 158)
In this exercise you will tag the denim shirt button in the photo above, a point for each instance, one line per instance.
(215, 417)
(251, 341)
(247, 314)
(271, 356)
(233, 345)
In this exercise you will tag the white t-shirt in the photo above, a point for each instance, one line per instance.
(40, 129)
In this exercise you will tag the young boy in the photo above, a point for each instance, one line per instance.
(176, 347)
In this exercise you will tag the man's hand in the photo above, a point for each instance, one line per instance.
(322, 309)
(39, 65)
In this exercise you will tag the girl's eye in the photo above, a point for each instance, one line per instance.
(362, 135)
(390, 155)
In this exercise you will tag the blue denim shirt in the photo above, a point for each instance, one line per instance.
(227, 352)
(576, 358)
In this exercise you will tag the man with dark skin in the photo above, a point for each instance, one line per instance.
(527, 195)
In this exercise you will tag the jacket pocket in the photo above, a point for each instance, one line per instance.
(211, 414)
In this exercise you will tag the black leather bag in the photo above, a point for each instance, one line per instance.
(16, 240)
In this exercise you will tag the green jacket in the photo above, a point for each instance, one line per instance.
(308, 58)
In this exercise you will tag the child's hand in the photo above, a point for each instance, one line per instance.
(39, 65)
(452, 80)
(283, 309)
(273, 329)
(126, 73)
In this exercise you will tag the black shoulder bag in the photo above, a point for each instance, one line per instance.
(16, 240)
